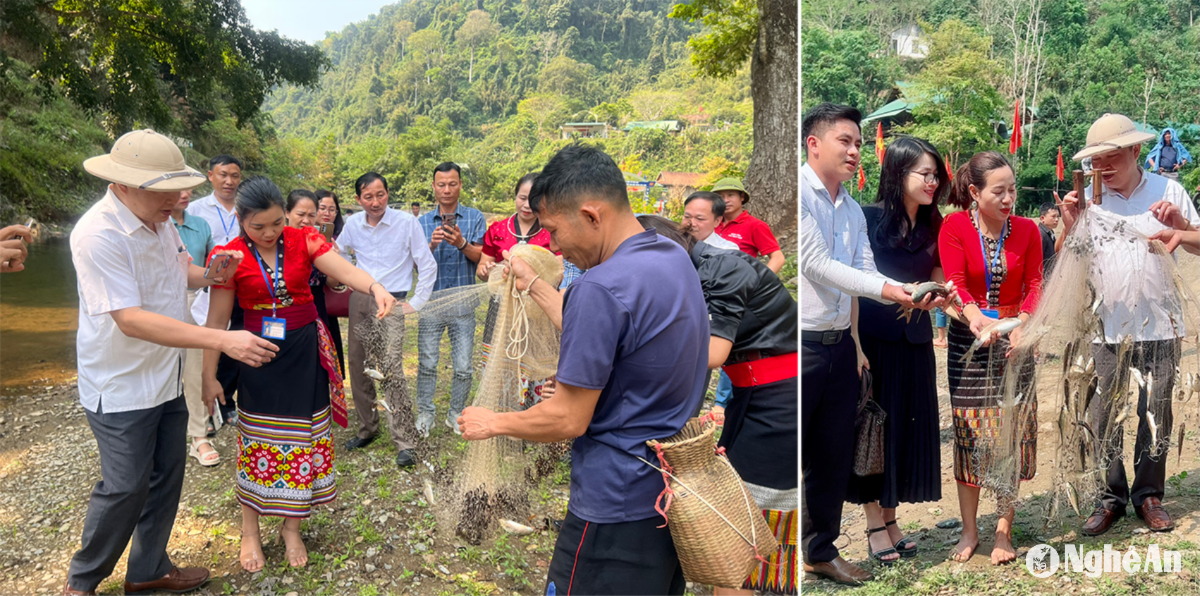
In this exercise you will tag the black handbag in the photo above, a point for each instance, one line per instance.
(868, 431)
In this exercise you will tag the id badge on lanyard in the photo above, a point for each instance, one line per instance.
(272, 327)
(987, 268)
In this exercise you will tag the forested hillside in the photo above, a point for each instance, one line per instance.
(1066, 61)
(489, 83)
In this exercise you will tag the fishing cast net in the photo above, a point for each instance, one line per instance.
(515, 351)
(1109, 386)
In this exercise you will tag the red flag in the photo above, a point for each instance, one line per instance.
(949, 170)
(879, 141)
(862, 178)
(1060, 170)
(1014, 142)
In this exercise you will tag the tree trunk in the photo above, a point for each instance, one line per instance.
(772, 178)
(471, 71)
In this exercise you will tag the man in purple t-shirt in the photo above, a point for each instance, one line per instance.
(632, 367)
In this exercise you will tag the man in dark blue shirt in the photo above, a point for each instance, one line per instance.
(632, 367)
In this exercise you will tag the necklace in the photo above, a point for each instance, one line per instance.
(524, 238)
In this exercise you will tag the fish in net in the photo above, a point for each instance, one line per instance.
(517, 351)
(1102, 375)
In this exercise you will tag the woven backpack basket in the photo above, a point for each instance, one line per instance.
(714, 521)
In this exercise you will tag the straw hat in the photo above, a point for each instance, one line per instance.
(1112, 131)
(147, 160)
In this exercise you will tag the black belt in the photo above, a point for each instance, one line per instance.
(825, 338)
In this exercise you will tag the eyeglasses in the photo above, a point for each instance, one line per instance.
(930, 178)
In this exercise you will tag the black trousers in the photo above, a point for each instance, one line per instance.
(1155, 360)
(634, 557)
(828, 401)
(142, 459)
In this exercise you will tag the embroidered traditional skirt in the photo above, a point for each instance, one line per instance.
(778, 574)
(284, 422)
(976, 390)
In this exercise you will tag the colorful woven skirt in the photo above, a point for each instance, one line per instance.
(285, 414)
(777, 574)
(286, 464)
(976, 390)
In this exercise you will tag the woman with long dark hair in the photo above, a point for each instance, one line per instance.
(285, 408)
(994, 259)
(902, 227)
(328, 212)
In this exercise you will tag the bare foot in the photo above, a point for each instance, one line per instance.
(1003, 552)
(252, 554)
(297, 554)
(965, 548)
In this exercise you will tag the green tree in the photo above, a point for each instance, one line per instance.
(766, 32)
(476, 31)
(958, 92)
(565, 76)
(847, 67)
(155, 61)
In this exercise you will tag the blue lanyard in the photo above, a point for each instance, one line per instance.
(987, 268)
(232, 221)
(263, 269)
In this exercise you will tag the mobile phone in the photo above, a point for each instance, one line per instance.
(326, 231)
(448, 220)
(217, 266)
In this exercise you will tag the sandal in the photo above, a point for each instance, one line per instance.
(879, 556)
(207, 460)
(902, 544)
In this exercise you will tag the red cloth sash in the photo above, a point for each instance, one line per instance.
(764, 371)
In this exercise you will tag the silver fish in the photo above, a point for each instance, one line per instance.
(1153, 430)
(1179, 457)
(383, 402)
(429, 493)
(1096, 304)
(513, 527)
(1137, 376)
(1073, 498)
(999, 328)
(374, 374)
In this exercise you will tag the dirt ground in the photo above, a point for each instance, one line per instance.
(931, 572)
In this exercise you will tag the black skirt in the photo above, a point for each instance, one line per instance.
(904, 382)
(760, 434)
(293, 384)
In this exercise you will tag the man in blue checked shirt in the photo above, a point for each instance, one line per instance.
(455, 236)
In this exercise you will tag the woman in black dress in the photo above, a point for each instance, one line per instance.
(903, 230)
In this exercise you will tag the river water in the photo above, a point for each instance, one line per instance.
(39, 314)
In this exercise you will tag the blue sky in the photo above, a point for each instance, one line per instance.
(308, 20)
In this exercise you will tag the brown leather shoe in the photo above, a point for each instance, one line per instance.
(177, 581)
(840, 571)
(69, 591)
(1100, 521)
(1154, 515)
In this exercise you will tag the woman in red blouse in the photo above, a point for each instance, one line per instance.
(995, 261)
(284, 408)
(521, 228)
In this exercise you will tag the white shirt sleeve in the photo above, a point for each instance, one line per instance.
(819, 267)
(107, 281)
(426, 265)
(345, 240)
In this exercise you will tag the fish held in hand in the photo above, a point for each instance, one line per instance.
(920, 291)
(997, 329)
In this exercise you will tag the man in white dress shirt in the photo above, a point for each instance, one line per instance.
(1125, 275)
(387, 243)
(133, 272)
(836, 264)
(702, 211)
(225, 174)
